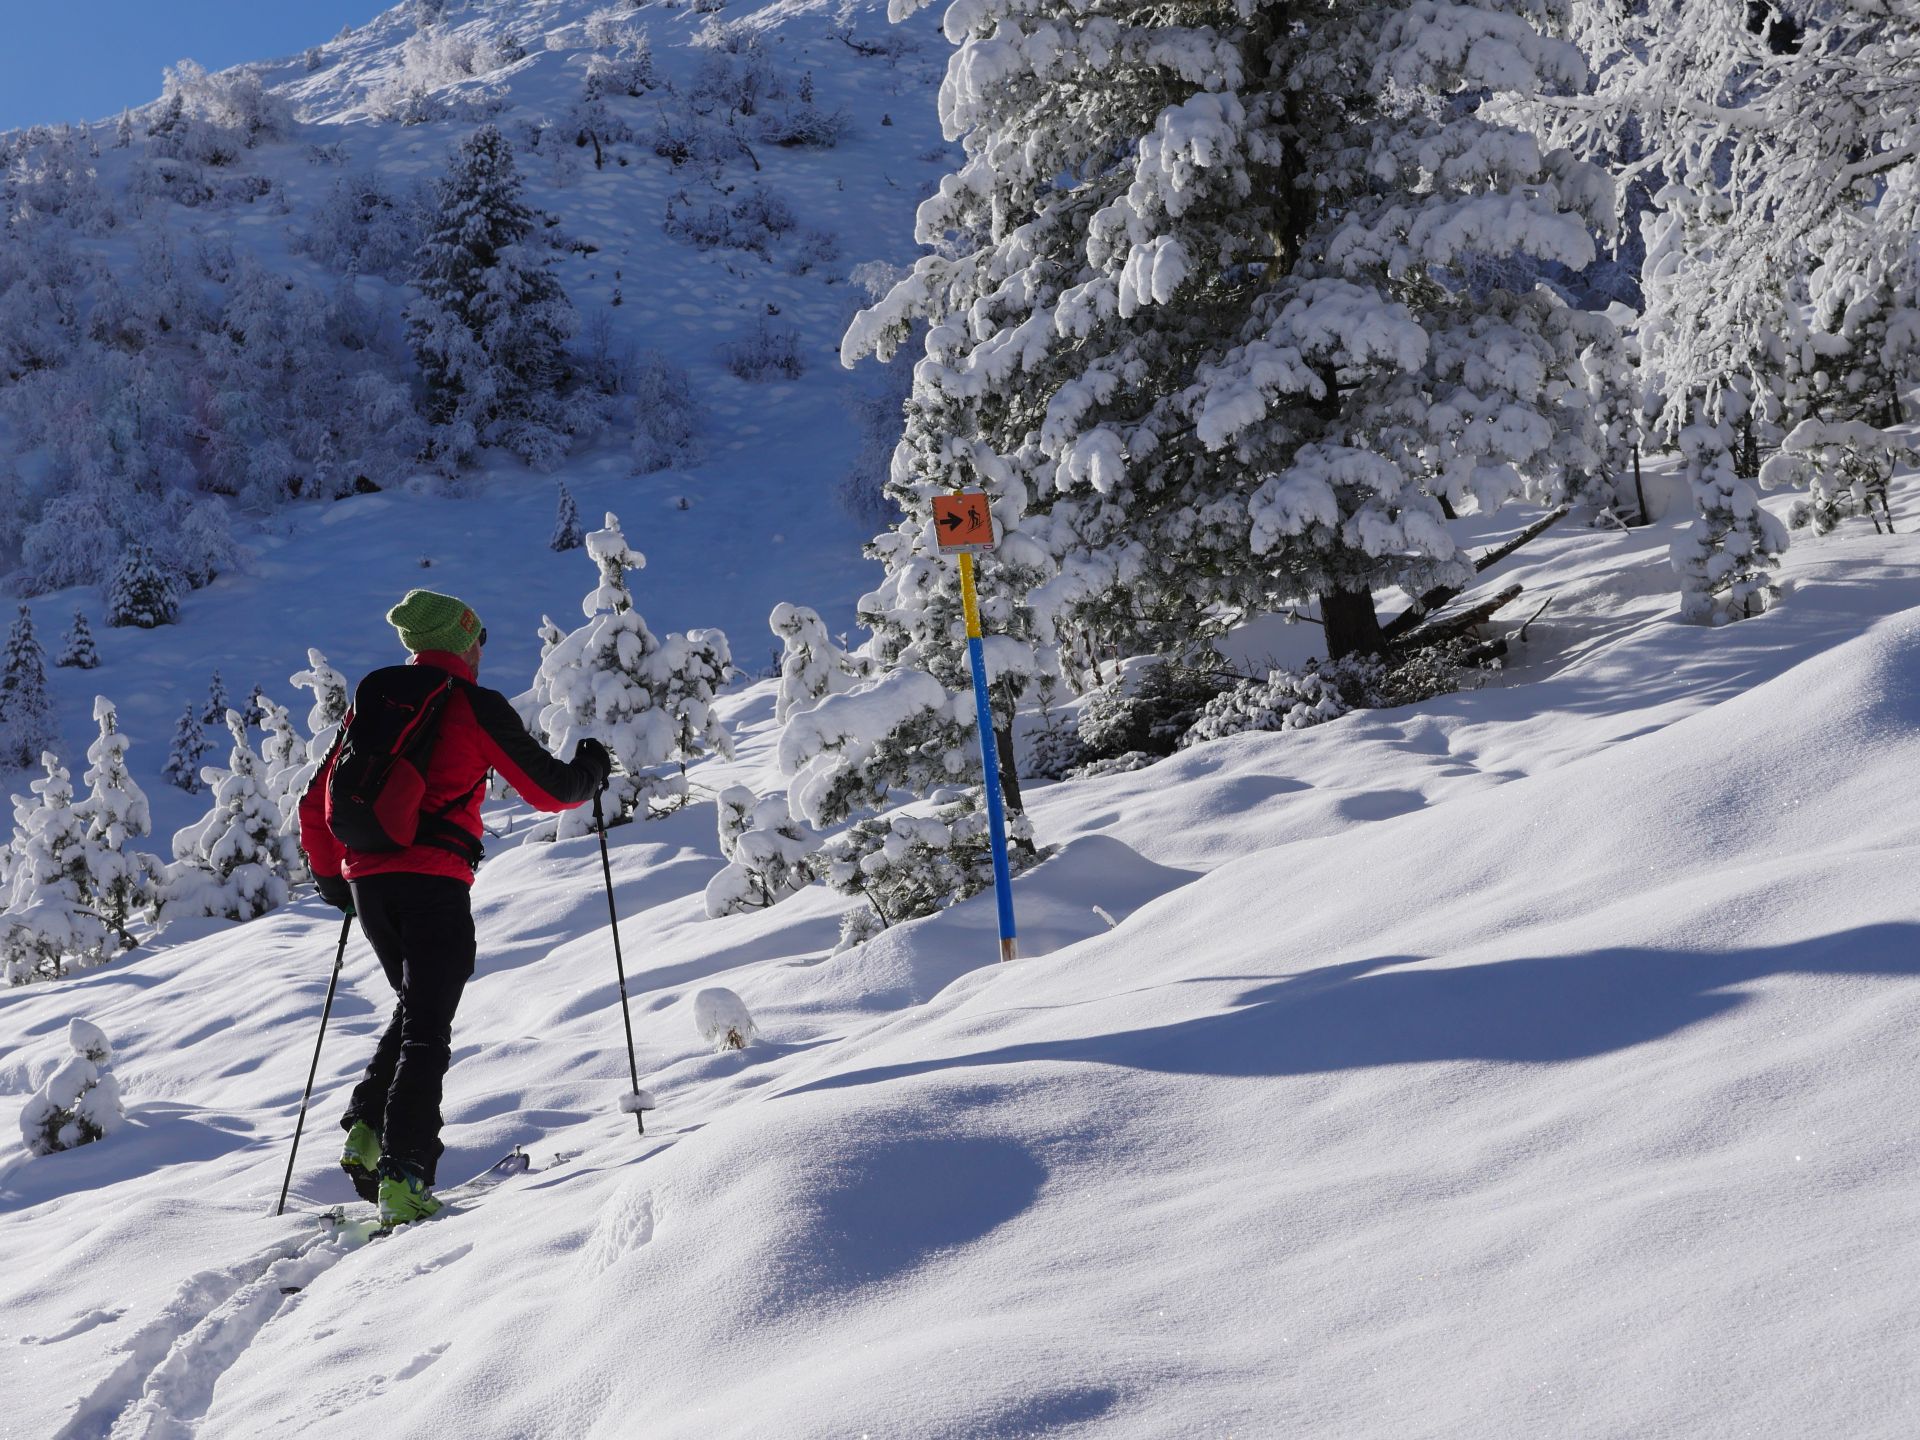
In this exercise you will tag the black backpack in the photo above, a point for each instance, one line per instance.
(379, 776)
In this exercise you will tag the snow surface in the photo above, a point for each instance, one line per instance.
(1534, 1062)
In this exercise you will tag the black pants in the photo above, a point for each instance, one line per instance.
(421, 927)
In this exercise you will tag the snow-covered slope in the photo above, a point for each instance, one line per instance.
(751, 522)
(1533, 1063)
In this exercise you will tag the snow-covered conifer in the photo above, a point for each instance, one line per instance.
(812, 667)
(1726, 558)
(80, 1102)
(255, 715)
(491, 325)
(78, 650)
(566, 524)
(1199, 319)
(26, 714)
(550, 635)
(188, 749)
(234, 862)
(330, 701)
(770, 853)
(48, 922)
(215, 710)
(119, 883)
(649, 701)
(142, 591)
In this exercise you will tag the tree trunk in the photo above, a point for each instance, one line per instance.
(1352, 627)
(1009, 771)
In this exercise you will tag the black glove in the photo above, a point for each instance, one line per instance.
(592, 753)
(336, 892)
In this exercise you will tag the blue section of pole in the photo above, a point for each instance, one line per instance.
(996, 807)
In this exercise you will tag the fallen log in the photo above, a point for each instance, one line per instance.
(1418, 612)
(1444, 627)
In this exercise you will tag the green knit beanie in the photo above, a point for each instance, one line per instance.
(427, 621)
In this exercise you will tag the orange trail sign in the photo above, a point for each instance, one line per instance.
(963, 523)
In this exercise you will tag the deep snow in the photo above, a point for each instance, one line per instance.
(1536, 1062)
(1533, 1062)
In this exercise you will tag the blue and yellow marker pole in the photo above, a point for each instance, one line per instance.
(989, 759)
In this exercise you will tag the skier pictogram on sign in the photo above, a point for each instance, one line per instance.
(963, 523)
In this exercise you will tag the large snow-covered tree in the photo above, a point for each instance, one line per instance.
(491, 325)
(1226, 306)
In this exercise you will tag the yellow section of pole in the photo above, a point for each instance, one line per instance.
(968, 598)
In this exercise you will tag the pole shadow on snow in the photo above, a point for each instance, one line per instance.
(1383, 1011)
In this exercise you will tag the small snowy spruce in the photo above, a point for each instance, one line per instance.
(188, 749)
(80, 1102)
(234, 862)
(215, 710)
(491, 326)
(649, 701)
(722, 1019)
(566, 524)
(770, 853)
(48, 922)
(78, 651)
(120, 882)
(143, 592)
(1727, 557)
(26, 714)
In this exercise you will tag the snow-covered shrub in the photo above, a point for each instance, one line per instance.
(1147, 708)
(801, 122)
(753, 221)
(1285, 700)
(80, 1102)
(77, 648)
(26, 713)
(214, 711)
(666, 416)
(812, 667)
(143, 592)
(628, 72)
(366, 224)
(814, 249)
(1846, 466)
(769, 350)
(229, 112)
(234, 861)
(849, 753)
(649, 701)
(737, 74)
(1727, 557)
(722, 1019)
(908, 866)
(48, 921)
(770, 853)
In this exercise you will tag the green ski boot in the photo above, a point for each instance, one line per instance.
(404, 1196)
(361, 1160)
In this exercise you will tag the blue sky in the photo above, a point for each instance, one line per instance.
(87, 61)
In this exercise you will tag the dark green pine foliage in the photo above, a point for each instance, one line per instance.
(491, 326)
(216, 711)
(26, 716)
(189, 748)
(78, 650)
(143, 592)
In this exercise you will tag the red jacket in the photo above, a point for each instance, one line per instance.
(479, 731)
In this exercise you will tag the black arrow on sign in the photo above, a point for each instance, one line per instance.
(954, 522)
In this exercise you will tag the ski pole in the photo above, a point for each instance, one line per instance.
(346, 929)
(613, 918)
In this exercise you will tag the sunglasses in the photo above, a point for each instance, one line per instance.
(483, 636)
